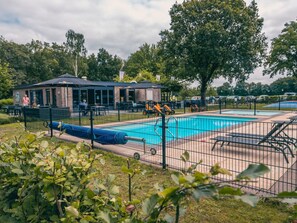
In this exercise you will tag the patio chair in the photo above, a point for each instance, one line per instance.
(280, 136)
(267, 141)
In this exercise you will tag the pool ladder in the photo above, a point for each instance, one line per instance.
(166, 126)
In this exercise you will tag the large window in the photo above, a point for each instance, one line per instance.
(75, 94)
(54, 97)
(47, 97)
(98, 97)
(83, 95)
(131, 95)
(104, 97)
(110, 97)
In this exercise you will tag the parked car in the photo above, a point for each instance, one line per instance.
(262, 98)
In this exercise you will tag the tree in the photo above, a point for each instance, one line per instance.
(18, 58)
(241, 88)
(283, 54)
(146, 58)
(209, 39)
(6, 83)
(282, 85)
(75, 46)
(104, 67)
(225, 89)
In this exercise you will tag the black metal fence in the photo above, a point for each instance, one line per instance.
(231, 142)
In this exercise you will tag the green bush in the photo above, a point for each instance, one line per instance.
(4, 102)
(43, 181)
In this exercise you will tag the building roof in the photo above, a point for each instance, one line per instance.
(70, 80)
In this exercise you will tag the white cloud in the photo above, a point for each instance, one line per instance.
(119, 26)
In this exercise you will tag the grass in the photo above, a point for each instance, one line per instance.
(207, 211)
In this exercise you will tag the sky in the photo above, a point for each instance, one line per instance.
(119, 26)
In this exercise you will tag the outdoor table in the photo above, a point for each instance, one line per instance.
(97, 109)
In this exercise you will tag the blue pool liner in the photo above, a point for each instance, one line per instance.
(102, 136)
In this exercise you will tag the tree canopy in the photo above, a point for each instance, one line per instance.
(209, 39)
(6, 82)
(145, 58)
(104, 67)
(75, 46)
(283, 54)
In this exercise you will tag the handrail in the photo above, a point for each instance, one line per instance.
(155, 128)
(176, 127)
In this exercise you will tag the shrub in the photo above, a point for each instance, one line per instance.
(4, 102)
(44, 182)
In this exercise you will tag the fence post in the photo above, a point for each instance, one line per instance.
(119, 113)
(92, 128)
(25, 117)
(279, 103)
(164, 141)
(51, 120)
(184, 106)
(220, 105)
(79, 116)
(255, 106)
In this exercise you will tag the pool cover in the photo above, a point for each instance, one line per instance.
(102, 136)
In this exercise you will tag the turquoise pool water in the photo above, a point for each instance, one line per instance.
(251, 112)
(185, 127)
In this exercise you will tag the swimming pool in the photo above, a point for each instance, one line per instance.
(179, 127)
(283, 104)
(251, 112)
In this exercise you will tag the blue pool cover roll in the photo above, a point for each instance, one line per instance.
(102, 136)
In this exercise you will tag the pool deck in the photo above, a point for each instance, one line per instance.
(234, 158)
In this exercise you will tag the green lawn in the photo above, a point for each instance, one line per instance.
(207, 211)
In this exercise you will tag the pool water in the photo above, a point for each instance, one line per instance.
(180, 127)
(251, 112)
(283, 104)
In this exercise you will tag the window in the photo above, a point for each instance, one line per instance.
(47, 97)
(104, 97)
(75, 95)
(111, 97)
(149, 94)
(98, 97)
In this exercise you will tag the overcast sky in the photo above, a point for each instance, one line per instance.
(119, 26)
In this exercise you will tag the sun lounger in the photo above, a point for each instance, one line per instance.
(266, 141)
(279, 136)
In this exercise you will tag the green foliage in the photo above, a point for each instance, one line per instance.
(75, 47)
(42, 182)
(8, 101)
(6, 82)
(282, 85)
(225, 90)
(104, 67)
(282, 58)
(208, 39)
(146, 58)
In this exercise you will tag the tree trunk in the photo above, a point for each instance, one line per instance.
(203, 92)
(75, 67)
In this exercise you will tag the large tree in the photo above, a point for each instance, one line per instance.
(6, 83)
(104, 67)
(225, 90)
(282, 85)
(283, 55)
(209, 39)
(145, 58)
(75, 46)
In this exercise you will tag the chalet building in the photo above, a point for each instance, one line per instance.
(68, 91)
